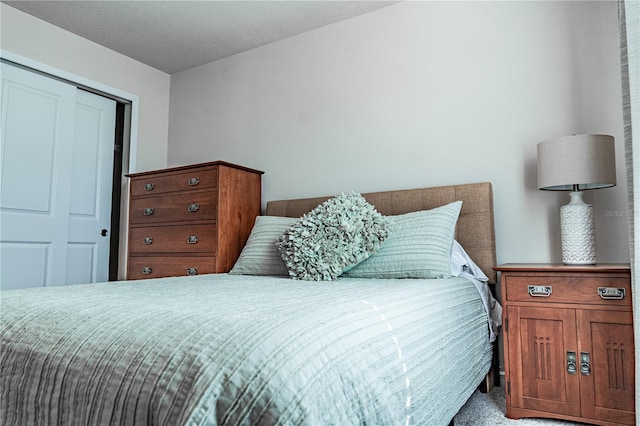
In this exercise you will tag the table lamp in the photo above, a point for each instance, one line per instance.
(576, 163)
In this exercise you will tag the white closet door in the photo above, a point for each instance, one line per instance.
(91, 184)
(44, 183)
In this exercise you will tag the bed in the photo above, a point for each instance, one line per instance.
(244, 348)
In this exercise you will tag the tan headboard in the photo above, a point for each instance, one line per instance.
(475, 230)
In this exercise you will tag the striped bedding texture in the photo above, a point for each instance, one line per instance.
(241, 350)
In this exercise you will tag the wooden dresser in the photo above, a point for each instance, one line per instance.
(568, 342)
(190, 220)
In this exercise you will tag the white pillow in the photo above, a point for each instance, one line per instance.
(419, 246)
(260, 255)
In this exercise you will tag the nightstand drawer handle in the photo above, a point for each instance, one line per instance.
(193, 207)
(147, 240)
(146, 270)
(149, 186)
(192, 271)
(611, 293)
(192, 239)
(194, 181)
(148, 211)
(539, 290)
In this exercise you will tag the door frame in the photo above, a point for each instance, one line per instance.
(130, 135)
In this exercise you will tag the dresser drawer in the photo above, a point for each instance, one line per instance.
(173, 182)
(168, 266)
(569, 289)
(173, 239)
(174, 208)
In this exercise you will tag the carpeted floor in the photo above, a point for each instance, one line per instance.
(487, 409)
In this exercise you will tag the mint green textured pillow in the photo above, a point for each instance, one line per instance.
(260, 255)
(419, 247)
(338, 234)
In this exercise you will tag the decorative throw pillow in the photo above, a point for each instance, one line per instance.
(338, 234)
(419, 247)
(260, 255)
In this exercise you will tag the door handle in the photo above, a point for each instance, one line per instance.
(104, 232)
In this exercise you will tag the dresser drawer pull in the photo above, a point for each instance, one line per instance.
(539, 290)
(611, 293)
(149, 187)
(146, 270)
(147, 240)
(148, 211)
(192, 239)
(192, 271)
(194, 181)
(193, 207)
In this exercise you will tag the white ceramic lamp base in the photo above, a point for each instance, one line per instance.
(578, 232)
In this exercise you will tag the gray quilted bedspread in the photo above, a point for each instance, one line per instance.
(239, 350)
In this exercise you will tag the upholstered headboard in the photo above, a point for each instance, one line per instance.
(475, 229)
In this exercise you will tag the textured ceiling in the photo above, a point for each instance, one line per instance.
(176, 35)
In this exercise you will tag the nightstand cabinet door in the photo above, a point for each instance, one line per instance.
(539, 339)
(607, 386)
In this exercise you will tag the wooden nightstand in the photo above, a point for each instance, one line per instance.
(568, 342)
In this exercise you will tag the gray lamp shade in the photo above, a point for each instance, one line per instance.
(577, 162)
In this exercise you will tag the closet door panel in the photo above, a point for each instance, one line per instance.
(37, 125)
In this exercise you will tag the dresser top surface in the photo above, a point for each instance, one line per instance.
(193, 166)
(560, 267)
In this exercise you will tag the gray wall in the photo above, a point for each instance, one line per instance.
(420, 94)
(47, 44)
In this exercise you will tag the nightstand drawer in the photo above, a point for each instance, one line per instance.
(601, 290)
(173, 239)
(169, 266)
(174, 182)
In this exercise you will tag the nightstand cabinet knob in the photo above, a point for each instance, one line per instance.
(585, 364)
(571, 363)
